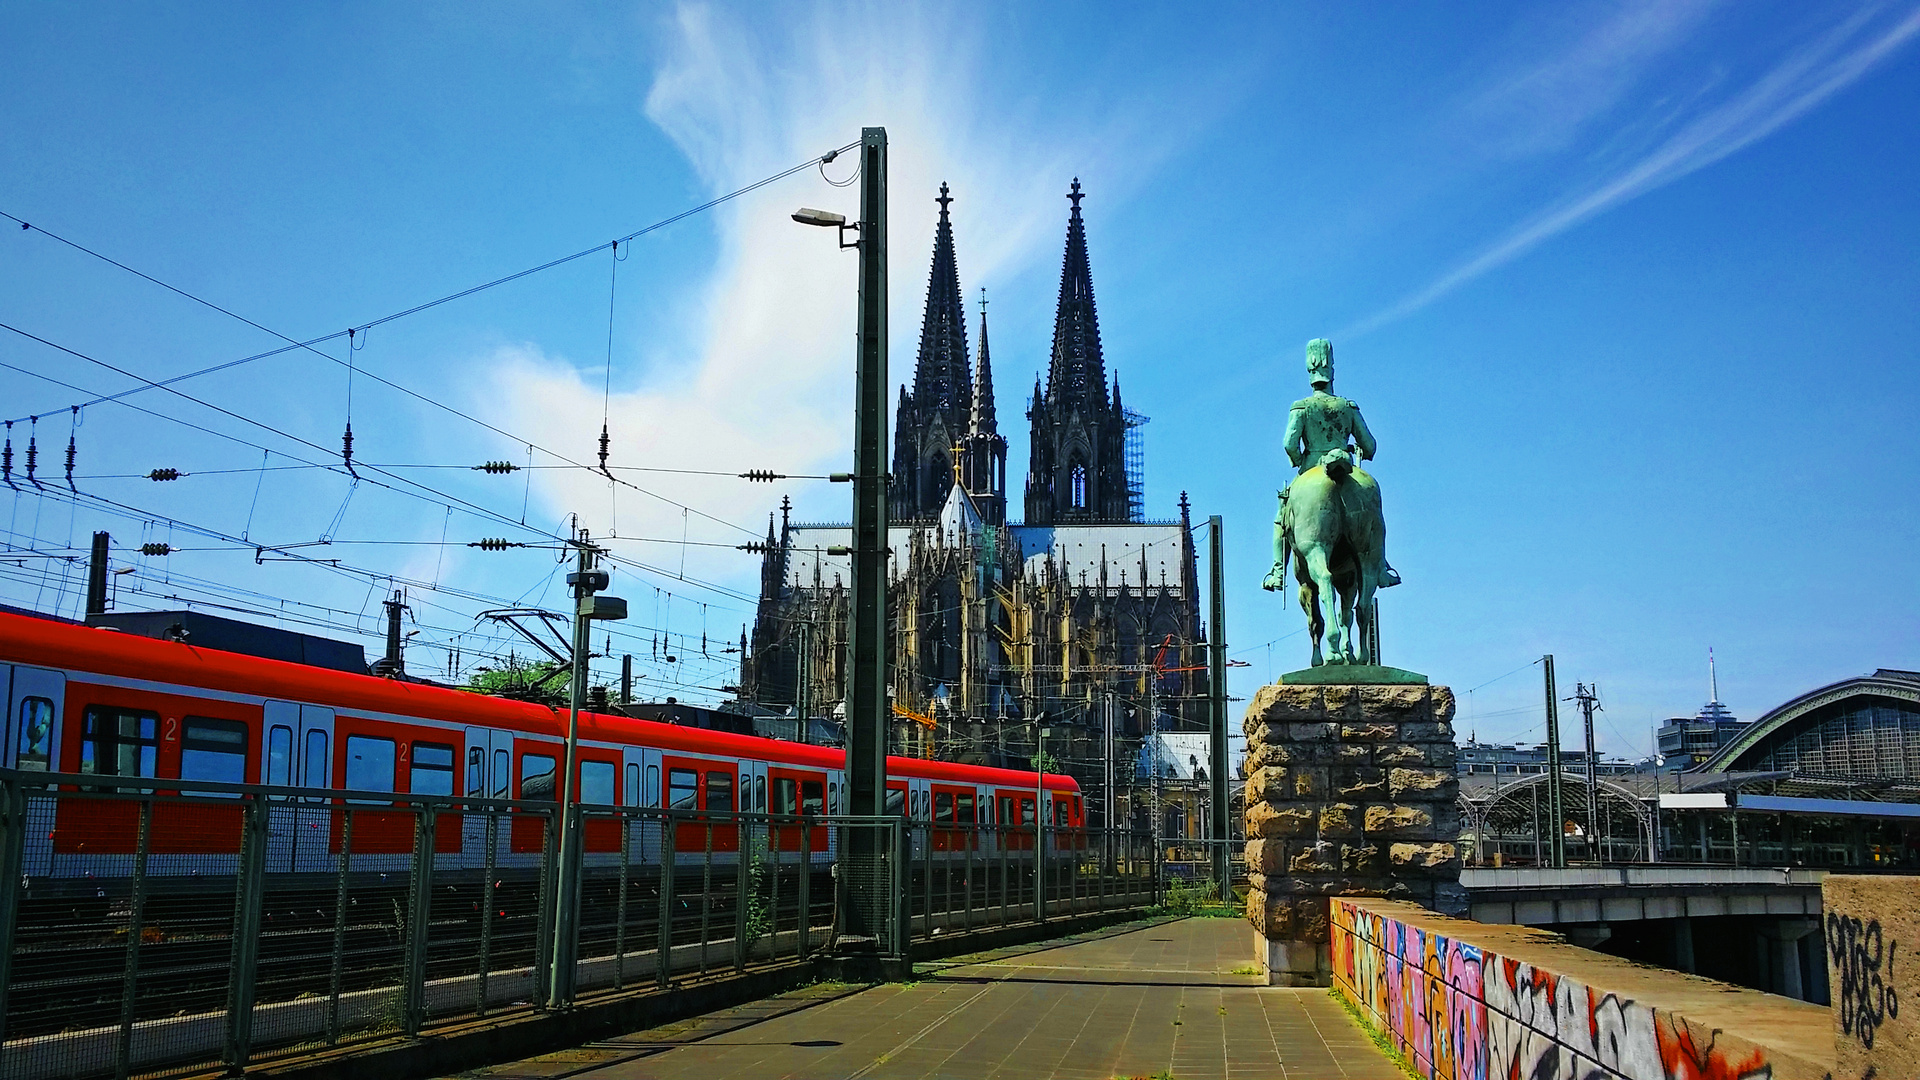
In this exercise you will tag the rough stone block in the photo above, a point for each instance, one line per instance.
(1400, 754)
(1340, 819)
(1422, 783)
(1360, 784)
(1450, 898)
(1271, 915)
(1425, 732)
(1320, 731)
(1424, 856)
(1351, 754)
(1267, 821)
(1267, 783)
(1321, 858)
(1442, 704)
(1405, 822)
(1396, 701)
(1369, 731)
(1271, 753)
(1308, 782)
(1442, 754)
(1265, 856)
(1310, 919)
(1362, 860)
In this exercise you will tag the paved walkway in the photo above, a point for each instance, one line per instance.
(1170, 998)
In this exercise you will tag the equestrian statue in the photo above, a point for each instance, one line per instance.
(1329, 519)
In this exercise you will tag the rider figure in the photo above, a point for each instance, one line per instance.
(1319, 429)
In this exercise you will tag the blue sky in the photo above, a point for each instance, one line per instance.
(1626, 291)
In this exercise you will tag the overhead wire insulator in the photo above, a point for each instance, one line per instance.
(6, 458)
(33, 449)
(156, 549)
(163, 475)
(494, 543)
(757, 547)
(604, 441)
(763, 475)
(497, 467)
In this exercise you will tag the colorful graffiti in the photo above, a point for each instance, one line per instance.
(1459, 1012)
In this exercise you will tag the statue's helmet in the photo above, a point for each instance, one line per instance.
(1320, 362)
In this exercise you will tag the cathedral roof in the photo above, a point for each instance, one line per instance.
(958, 516)
(1078, 372)
(1129, 548)
(942, 379)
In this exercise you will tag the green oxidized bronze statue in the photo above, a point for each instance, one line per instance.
(1329, 519)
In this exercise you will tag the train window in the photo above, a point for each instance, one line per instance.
(477, 771)
(536, 777)
(760, 794)
(965, 808)
(313, 760)
(1006, 810)
(633, 784)
(369, 763)
(653, 786)
(746, 791)
(720, 792)
(432, 772)
(596, 782)
(280, 755)
(1060, 813)
(501, 776)
(213, 750)
(1026, 811)
(943, 806)
(683, 788)
(36, 734)
(896, 802)
(833, 796)
(810, 797)
(119, 742)
(783, 791)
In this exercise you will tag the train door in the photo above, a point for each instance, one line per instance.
(488, 774)
(35, 697)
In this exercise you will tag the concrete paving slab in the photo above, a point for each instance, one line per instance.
(1177, 998)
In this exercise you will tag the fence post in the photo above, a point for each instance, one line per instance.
(419, 908)
(136, 915)
(338, 968)
(742, 871)
(806, 878)
(664, 949)
(13, 851)
(620, 913)
(549, 871)
(902, 921)
(248, 902)
(488, 898)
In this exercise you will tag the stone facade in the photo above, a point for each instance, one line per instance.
(1350, 792)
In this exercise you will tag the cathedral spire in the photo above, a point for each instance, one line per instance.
(941, 381)
(984, 420)
(1078, 371)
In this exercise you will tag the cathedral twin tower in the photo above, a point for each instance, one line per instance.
(946, 430)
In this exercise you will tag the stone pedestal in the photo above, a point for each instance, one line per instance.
(1350, 792)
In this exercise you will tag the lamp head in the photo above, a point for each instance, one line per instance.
(826, 219)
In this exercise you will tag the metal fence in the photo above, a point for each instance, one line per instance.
(147, 931)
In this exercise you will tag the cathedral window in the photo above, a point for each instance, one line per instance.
(1079, 487)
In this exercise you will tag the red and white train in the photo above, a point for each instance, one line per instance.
(89, 700)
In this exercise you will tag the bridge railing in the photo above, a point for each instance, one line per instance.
(153, 926)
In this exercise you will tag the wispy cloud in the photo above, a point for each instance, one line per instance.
(1802, 80)
(769, 382)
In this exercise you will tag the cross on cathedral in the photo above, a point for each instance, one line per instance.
(944, 199)
(1075, 196)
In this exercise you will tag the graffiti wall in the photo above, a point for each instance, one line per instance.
(1461, 1011)
(1871, 927)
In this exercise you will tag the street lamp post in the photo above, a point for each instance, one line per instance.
(586, 581)
(872, 919)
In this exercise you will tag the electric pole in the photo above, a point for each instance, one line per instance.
(1589, 699)
(587, 607)
(97, 575)
(803, 682)
(1556, 807)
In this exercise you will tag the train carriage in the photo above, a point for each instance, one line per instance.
(85, 700)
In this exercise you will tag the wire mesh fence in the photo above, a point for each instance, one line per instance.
(158, 931)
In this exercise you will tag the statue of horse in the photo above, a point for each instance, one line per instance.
(1330, 521)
